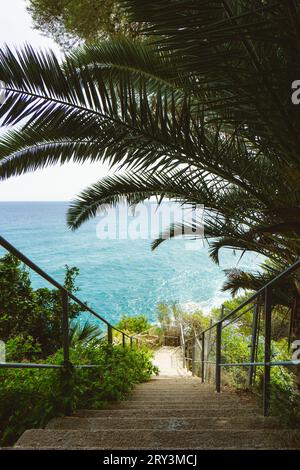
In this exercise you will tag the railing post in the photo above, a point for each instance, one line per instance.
(109, 334)
(65, 327)
(131, 342)
(193, 355)
(267, 358)
(218, 356)
(67, 371)
(253, 344)
(202, 357)
(222, 311)
(123, 340)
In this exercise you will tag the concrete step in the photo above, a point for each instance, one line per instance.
(181, 389)
(187, 380)
(197, 400)
(183, 397)
(168, 383)
(131, 439)
(167, 379)
(164, 412)
(159, 405)
(174, 389)
(178, 379)
(168, 424)
(175, 386)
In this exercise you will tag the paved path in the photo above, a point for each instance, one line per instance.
(170, 362)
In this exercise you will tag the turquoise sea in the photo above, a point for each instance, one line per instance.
(117, 276)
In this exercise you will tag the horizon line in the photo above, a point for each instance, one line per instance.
(41, 200)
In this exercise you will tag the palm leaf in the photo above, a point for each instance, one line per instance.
(83, 332)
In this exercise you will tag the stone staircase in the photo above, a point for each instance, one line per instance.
(171, 411)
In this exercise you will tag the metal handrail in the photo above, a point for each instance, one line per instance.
(66, 295)
(271, 364)
(31, 365)
(262, 297)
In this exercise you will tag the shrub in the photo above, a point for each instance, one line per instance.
(31, 397)
(137, 324)
(32, 313)
(22, 348)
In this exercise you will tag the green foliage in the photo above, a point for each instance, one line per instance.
(30, 397)
(168, 315)
(69, 22)
(136, 324)
(164, 315)
(20, 348)
(83, 332)
(285, 401)
(32, 314)
(245, 322)
(235, 349)
(172, 317)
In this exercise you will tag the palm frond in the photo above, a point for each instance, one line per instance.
(131, 116)
(131, 187)
(238, 279)
(83, 332)
(142, 59)
(188, 231)
(244, 55)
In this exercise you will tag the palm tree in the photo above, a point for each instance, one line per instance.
(199, 111)
(83, 332)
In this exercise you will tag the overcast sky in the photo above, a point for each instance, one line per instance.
(57, 183)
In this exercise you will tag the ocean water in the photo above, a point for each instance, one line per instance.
(118, 276)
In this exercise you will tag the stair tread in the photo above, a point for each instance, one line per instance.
(164, 412)
(142, 405)
(132, 439)
(173, 423)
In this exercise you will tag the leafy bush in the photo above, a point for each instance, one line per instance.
(22, 348)
(35, 314)
(31, 397)
(285, 400)
(136, 324)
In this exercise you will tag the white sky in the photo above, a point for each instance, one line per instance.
(58, 183)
